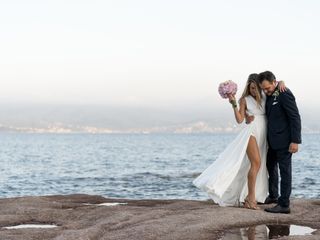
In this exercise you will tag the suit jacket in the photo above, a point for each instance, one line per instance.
(284, 122)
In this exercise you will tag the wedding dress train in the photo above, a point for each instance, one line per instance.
(225, 180)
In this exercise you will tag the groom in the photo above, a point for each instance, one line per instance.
(284, 135)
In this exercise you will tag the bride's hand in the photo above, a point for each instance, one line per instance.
(282, 86)
(231, 97)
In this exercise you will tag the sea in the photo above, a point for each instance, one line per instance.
(132, 166)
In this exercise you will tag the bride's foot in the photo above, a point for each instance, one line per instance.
(250, 204)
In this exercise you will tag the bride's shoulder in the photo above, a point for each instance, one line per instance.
(247, 98)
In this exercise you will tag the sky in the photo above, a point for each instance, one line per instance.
(153, 53)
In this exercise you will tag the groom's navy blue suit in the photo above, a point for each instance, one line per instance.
(284, 128)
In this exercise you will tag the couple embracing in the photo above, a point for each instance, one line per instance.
(247, 171)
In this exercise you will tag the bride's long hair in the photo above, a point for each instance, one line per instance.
(253, 79)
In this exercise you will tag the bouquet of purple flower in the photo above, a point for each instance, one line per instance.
(226, 88)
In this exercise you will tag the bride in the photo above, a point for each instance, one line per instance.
(239, 174)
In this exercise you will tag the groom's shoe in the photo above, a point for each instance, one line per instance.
(278, 209)
(270, 200)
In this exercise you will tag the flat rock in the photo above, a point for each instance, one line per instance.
(90, 217)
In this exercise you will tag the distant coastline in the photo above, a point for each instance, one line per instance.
(199, 127)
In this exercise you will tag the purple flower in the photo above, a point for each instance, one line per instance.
(226, 88)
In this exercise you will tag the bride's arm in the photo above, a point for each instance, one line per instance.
(239, 114)
(282, 86)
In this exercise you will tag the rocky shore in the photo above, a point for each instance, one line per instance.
(94, 217)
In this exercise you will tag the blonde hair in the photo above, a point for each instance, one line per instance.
(253, 79)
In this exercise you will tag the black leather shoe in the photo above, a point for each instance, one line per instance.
(270, 200)
(278, 209)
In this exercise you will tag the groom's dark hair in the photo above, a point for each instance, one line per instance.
(267, 75)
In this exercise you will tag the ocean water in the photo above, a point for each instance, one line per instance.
(138, 166)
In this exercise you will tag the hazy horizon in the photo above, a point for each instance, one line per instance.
(98, 118)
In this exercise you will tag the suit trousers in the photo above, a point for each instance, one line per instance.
(282, 159)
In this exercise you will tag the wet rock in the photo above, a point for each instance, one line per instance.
(87, 217)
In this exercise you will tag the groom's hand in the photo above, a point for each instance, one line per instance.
(249, 119)
(293, 148)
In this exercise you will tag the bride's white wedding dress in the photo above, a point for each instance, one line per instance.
(225, 180)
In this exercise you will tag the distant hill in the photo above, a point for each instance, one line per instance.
(190, 118)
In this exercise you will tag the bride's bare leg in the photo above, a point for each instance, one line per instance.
(255, 161)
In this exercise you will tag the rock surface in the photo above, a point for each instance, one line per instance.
(78, 217)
